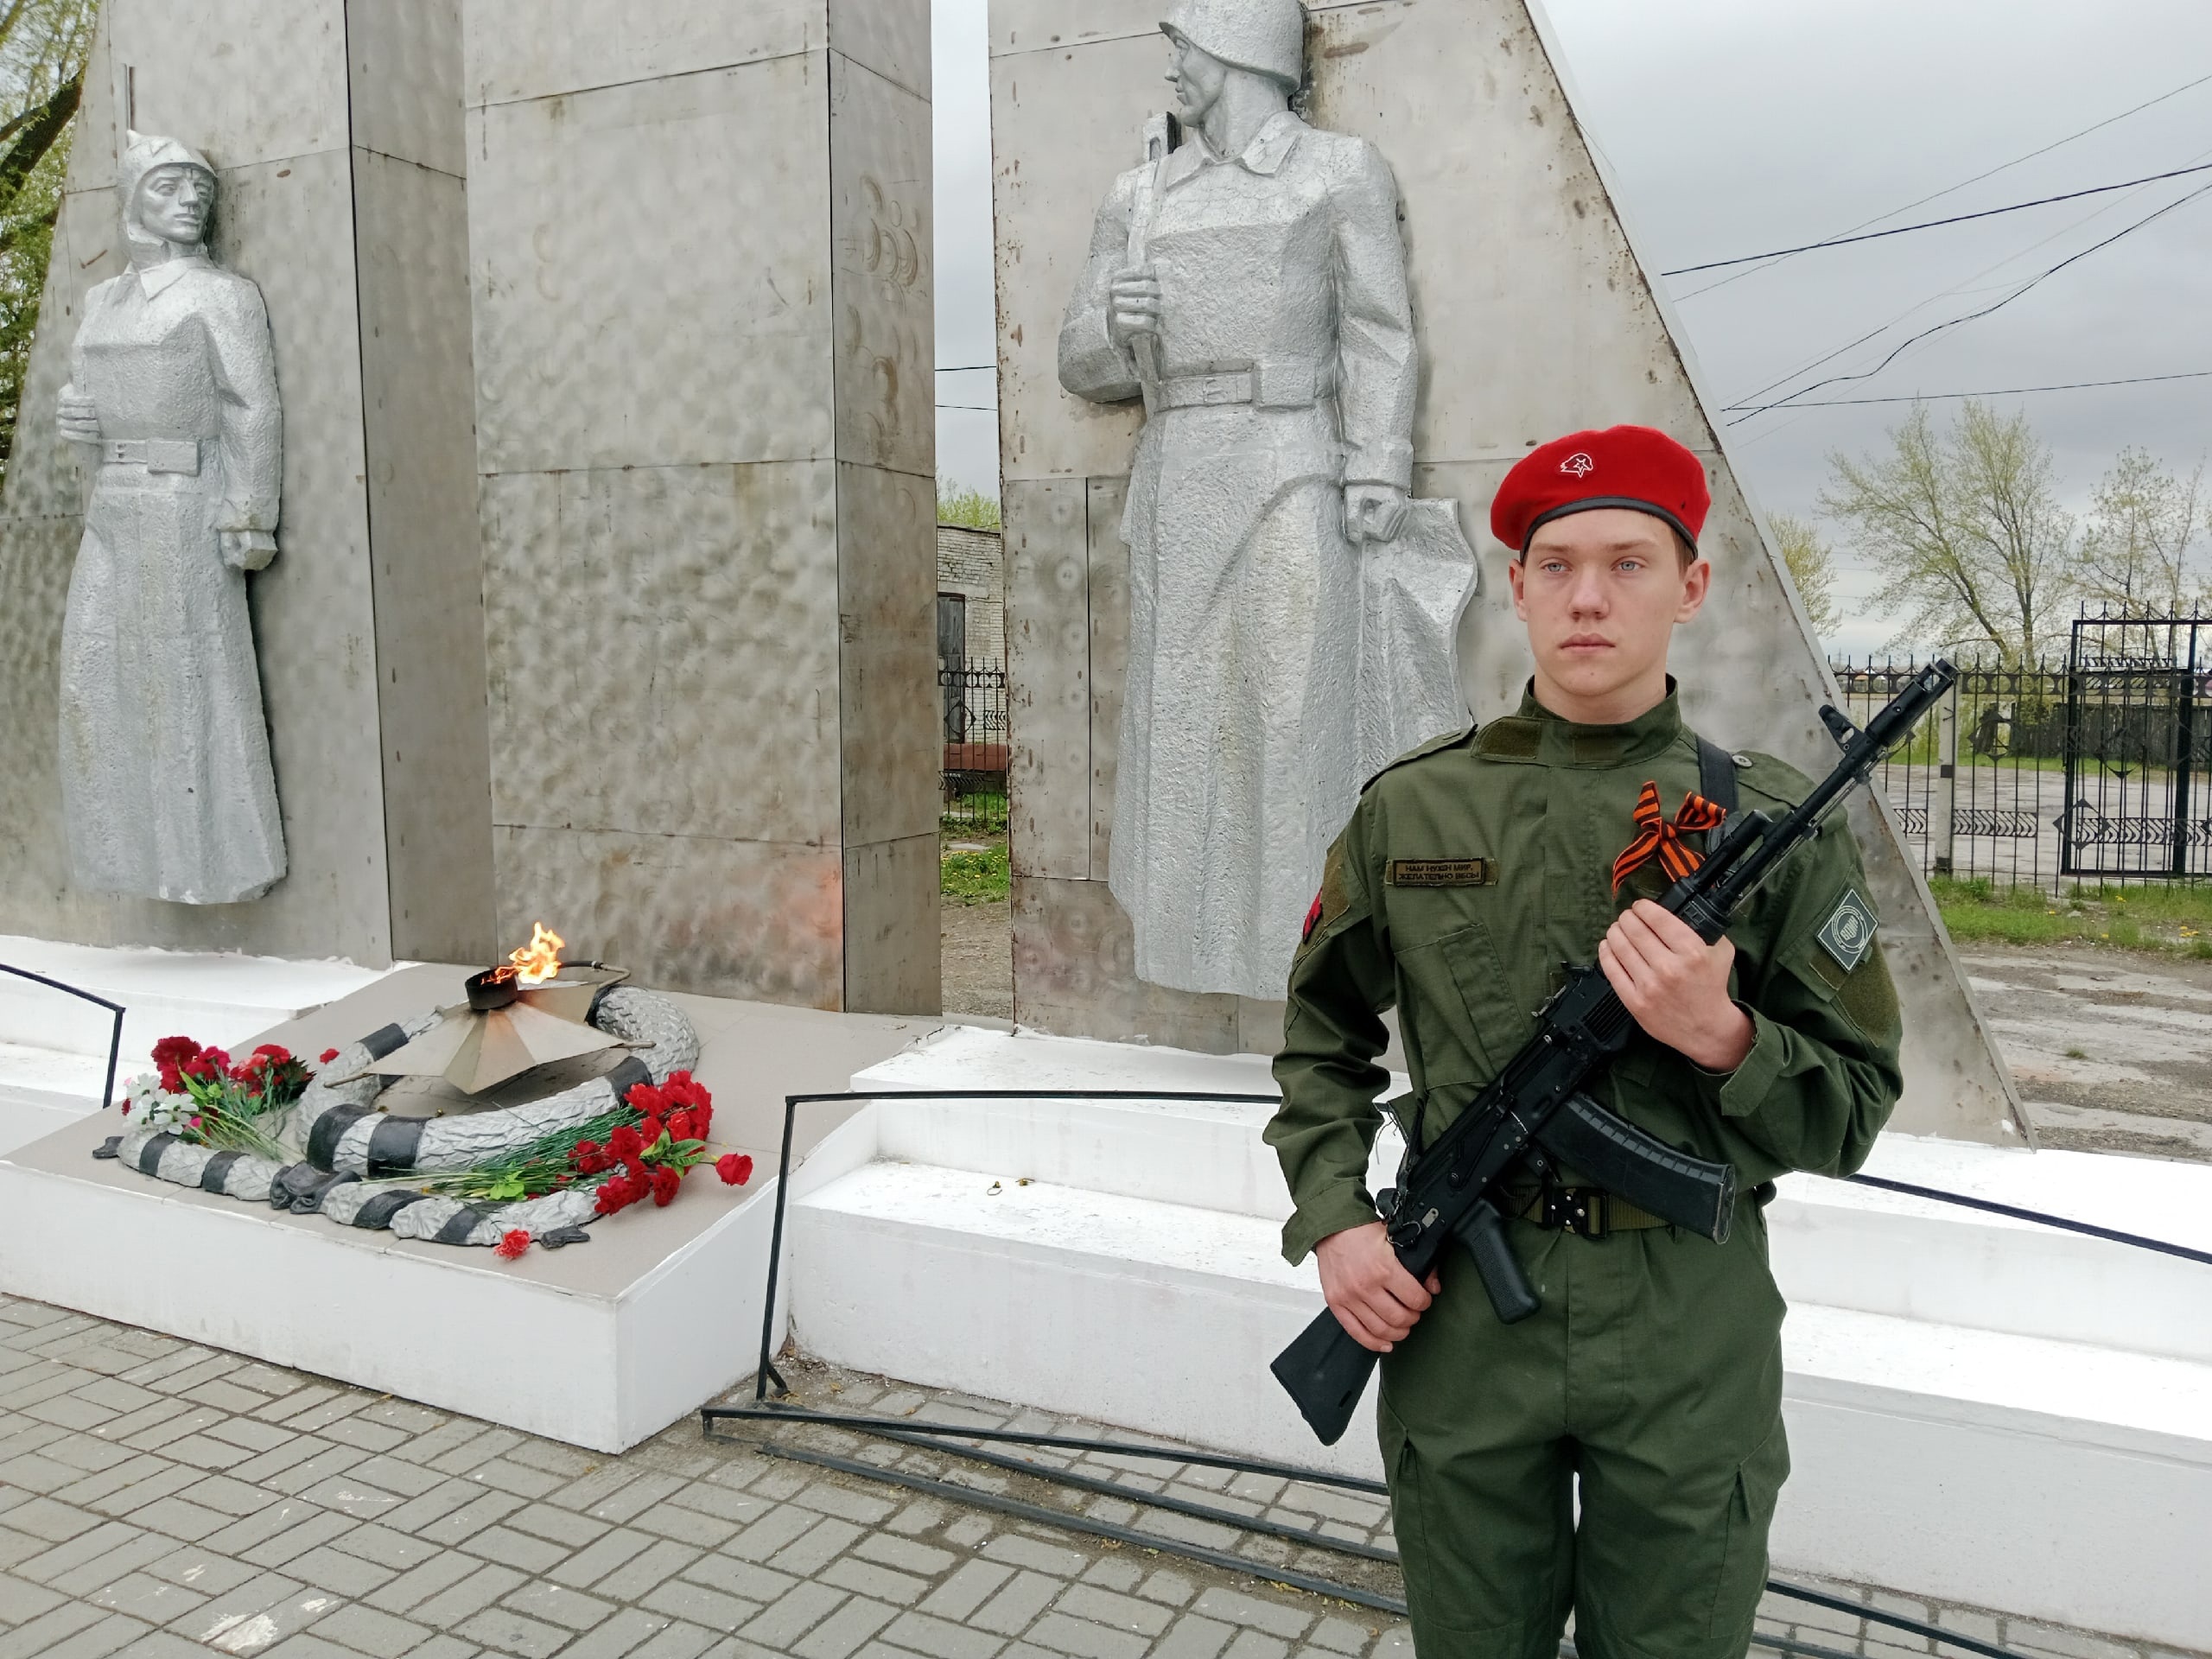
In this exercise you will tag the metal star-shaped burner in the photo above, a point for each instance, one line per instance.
(525, 1013)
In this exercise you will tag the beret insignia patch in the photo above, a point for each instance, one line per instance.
(1580, 464)
(1848, 933)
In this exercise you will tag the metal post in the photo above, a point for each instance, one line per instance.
(1943, 799)
(2184, 745)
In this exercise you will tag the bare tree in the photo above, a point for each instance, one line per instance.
(2135, 553)
(1811, 566)
(1965, 528)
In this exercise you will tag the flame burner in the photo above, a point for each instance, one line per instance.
(495, 988)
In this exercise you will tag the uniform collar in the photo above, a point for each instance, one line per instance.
(1534, 733)
(1270, 148)
(157, 279)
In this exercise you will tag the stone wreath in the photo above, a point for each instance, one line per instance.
(354, 1160)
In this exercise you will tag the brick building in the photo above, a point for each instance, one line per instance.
(970, 595)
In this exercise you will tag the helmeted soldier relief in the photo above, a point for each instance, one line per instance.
(165, 782)
(1250, 287)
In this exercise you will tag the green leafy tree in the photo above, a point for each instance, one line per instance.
(970, 508)
(2135, 549)
(1811, 566)
(43, 47)
(1965, 527)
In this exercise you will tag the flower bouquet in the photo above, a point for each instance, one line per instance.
(197, 1095)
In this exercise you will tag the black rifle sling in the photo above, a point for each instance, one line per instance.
(1716, 775)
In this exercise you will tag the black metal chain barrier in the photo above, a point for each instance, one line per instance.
(910, 1432)
(115, 1036)
(2089, 1230)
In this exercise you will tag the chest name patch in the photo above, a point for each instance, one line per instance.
(1442, 873)
(1848, 933)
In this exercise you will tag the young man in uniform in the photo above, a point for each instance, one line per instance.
(1473, 871)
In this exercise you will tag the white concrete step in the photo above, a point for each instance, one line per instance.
(1927, 1457)
(42, 1090)
(218, 999)
(1981, 1409)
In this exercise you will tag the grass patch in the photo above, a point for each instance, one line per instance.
(975, 876)
(2175, 919)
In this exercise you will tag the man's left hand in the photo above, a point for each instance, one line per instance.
(1676, 985)
(1373, 512)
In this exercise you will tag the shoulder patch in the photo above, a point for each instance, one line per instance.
(1848, 933)
(1434, 746)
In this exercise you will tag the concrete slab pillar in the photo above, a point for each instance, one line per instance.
(704, 355)
(335, 126)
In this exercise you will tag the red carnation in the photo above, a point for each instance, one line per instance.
(703, 1119)
(126, 1108)
(172, 1079)
(615, 1194)
(735, 1167)
(649, 1132)
(175, 1051)
(585, 1156)
(328, 1055)
(680, 1127)
(217, 1057)
(513, 1244)
(624, 1143)
(274, 1053)
(636, 1169)
(666, 1181)
(645, 1098)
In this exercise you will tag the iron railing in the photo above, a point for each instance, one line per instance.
(975, 736)
(2097, 767)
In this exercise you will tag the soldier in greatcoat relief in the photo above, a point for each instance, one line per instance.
(166, 783)
(1250, 286)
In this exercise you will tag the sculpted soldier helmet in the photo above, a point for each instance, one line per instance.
(1267, 36)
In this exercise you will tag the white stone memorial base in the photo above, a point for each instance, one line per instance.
(599, 1344)
(1981, 1410)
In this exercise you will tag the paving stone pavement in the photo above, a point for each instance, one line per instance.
(160, 1500)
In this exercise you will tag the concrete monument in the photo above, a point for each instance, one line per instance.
(166, 783)
(334, 134)
(1533, 316)
(1250, 286)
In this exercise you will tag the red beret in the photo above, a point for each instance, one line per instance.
(1636, 466)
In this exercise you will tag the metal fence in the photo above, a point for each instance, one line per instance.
(2094, 769)
(974, 698)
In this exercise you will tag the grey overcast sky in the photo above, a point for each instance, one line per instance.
(1735, 126)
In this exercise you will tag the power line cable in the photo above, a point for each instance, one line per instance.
(963, 368)
(1936, 224)
(1959, 287)
(979, 409)
(1953, 189)
(1972, 316)
(1998, 391)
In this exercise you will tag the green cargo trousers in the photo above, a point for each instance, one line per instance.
(1651, 1379)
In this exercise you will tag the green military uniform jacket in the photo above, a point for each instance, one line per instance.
(1474, 869)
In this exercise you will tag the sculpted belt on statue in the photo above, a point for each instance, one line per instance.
(166, 781)
(1291, 614)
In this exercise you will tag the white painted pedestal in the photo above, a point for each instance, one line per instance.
(1981, 1411)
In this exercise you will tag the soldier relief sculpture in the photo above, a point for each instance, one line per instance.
(1292, 611)
(167, 787)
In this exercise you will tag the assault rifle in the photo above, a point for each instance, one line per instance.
(1533, 1113)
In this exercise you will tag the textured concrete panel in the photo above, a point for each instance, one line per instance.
(1048, 684)
(699, 330)
(1074, 973)
(893, 957)
(418, 408)
(1535, 318)
(405, 75)
(244, 81)
(1109, 657)
(1062, 130)
(891, 37)
(891, 730)
(663, 647)
(881, 246)
(516, 49)
(743, 918)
